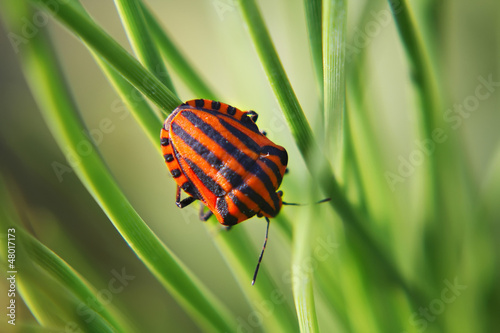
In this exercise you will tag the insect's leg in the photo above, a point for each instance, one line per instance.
(204, 216)
(261, 253)
(228, 227)
(184, 202)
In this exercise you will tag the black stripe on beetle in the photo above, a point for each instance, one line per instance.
(197, 146)
(200, 103)
(248, 141)
(241, 206)
(209, 183)
(222, 208)
(282, 154)
(274, 168)
(245, 160)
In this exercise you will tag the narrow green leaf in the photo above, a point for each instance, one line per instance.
(241, 256)
(354, 167)
(66, 276)
(303, 279)
(57, 279)
(141, 111)
(141, 41)
(420, 67)
(275, 72)
(361, 128)
(178, 61)
(422, 75)
(302, 134)
(112, 52)
(314, 29)
(52, 305)
(334, 36)
(332, 297)
(147, 118)
(57, 108)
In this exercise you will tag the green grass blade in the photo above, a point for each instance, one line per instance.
(304, 139)
(52, 305)
(275, 72)
(66, 276)
(422, 75)
(53, 277)
(282, 88)
(420, 67)
(314, 29)
(49, 90)
(333, 298)
(141, 111)
(303, 279)
(334, 37)
(444, 204)
(354, 169)
(112, 52)
(147, 118)
(142, 43)
(241, 256)
(176, 59)
(361, 130)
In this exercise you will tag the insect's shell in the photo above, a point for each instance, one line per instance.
(216, 154)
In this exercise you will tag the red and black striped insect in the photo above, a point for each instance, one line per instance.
(217, 155)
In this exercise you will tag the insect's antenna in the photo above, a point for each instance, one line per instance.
(297, 204)
(261, 254)
(292, 204)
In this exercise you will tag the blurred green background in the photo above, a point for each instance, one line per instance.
(463, 41)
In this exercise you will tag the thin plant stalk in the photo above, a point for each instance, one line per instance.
(334, 36)
(141, 40)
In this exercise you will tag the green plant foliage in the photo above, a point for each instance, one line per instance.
(388, 108)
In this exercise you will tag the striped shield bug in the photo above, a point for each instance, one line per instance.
(216, 154)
